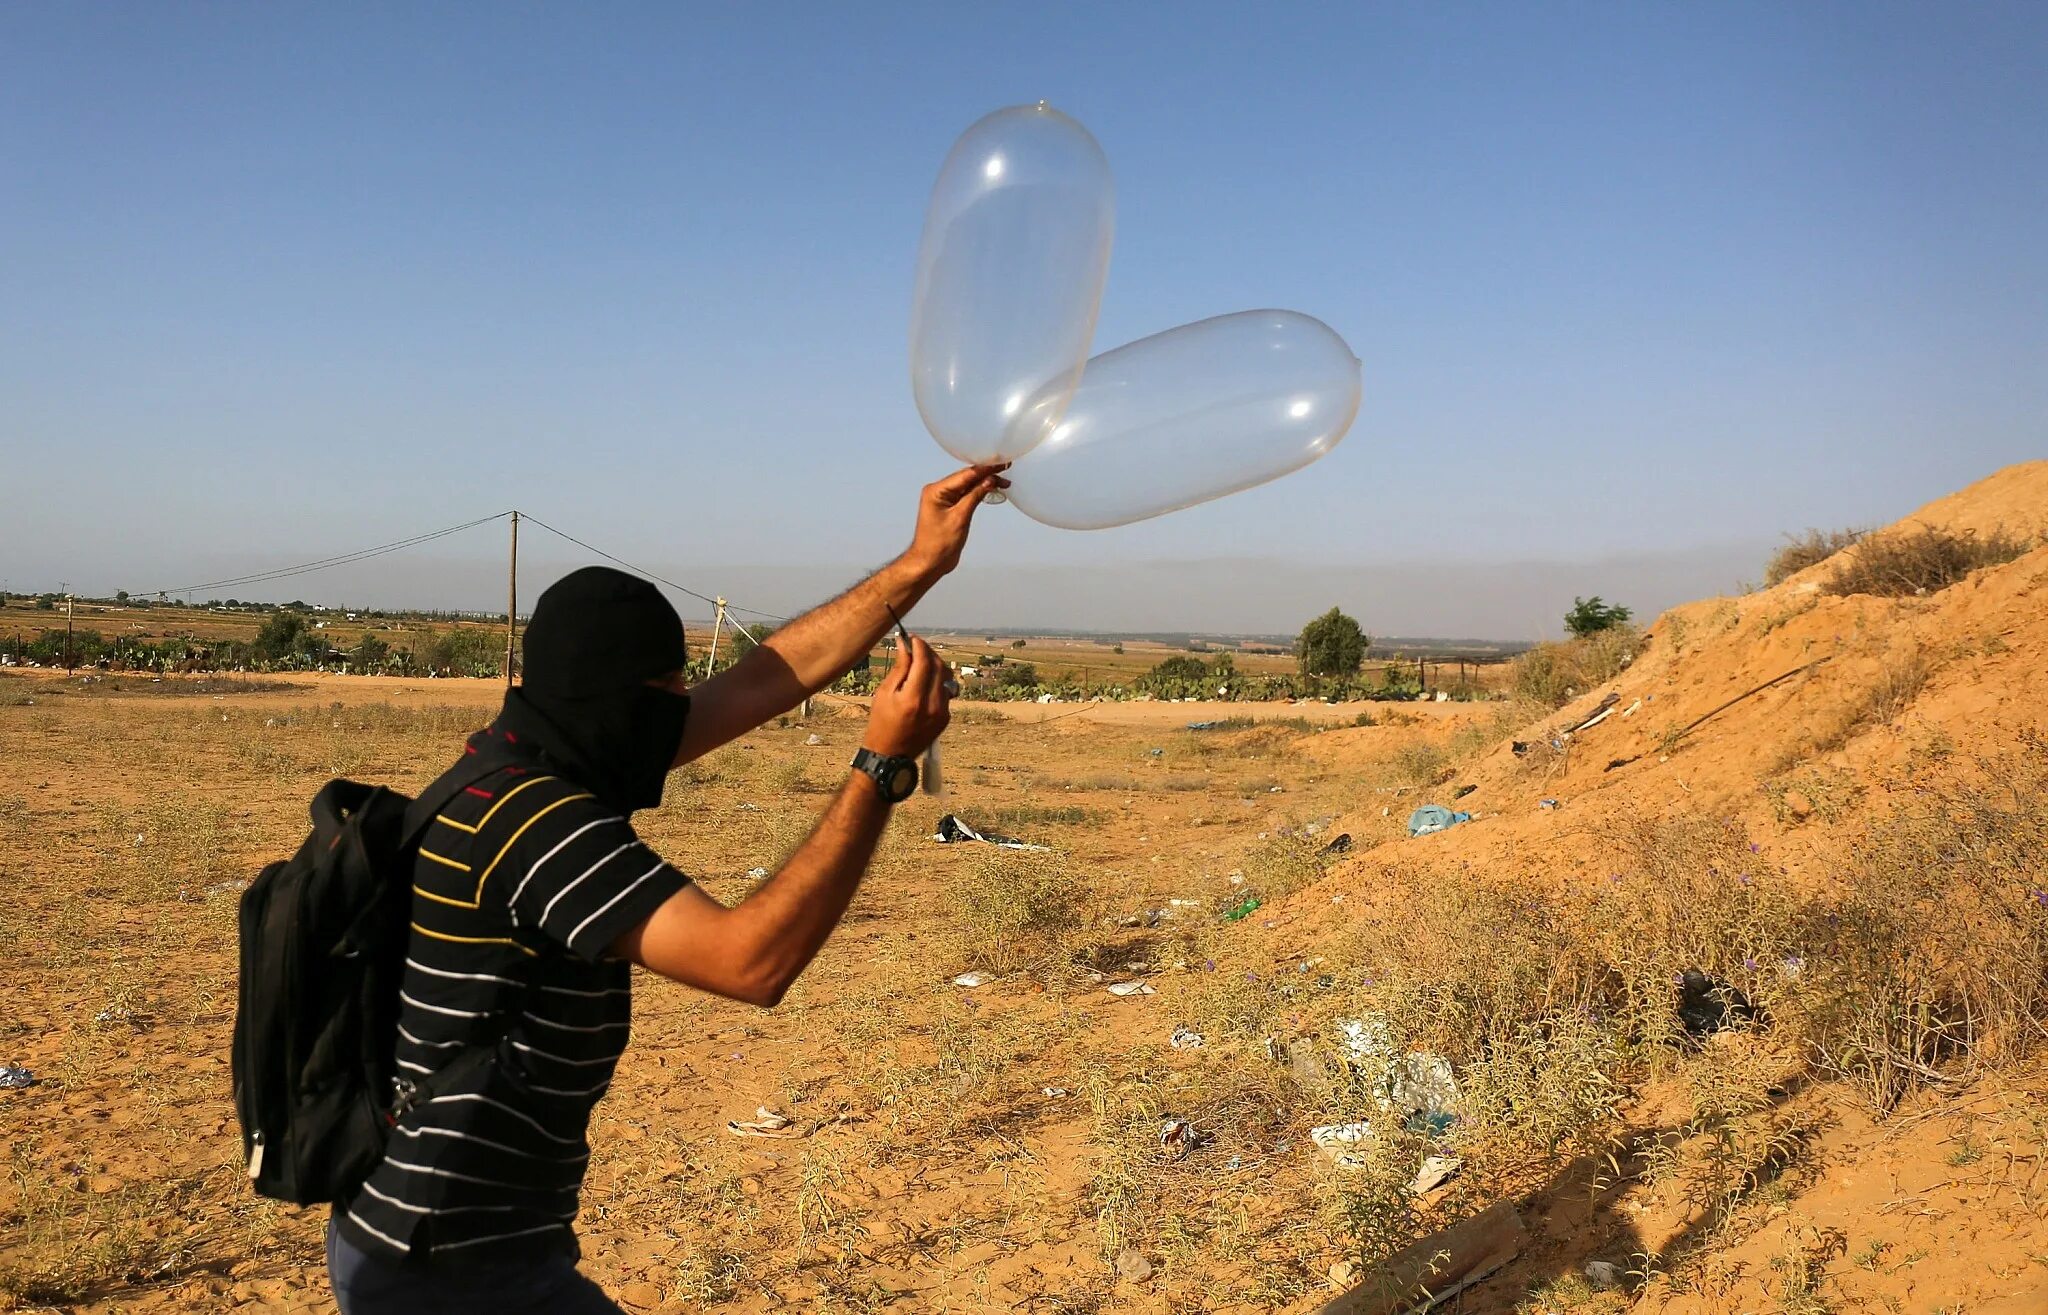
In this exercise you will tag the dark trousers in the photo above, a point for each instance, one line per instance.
(371, 1285)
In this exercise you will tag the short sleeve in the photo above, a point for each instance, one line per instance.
(583, 878)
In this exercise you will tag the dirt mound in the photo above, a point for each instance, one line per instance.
(1793, 710)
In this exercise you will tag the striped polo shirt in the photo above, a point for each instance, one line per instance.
(522, 884)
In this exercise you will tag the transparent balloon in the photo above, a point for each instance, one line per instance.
(1009, 279)
(1185, 416)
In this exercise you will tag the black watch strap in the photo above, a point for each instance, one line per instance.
(895, 777)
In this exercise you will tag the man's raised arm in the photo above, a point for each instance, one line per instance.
(822, 645)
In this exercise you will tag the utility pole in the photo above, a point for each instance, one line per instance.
(512, 603)
(717, 624)
(68, 664)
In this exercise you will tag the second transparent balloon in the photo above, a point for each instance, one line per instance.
(1184, 416)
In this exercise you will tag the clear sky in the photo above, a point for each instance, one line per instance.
(1631, 283)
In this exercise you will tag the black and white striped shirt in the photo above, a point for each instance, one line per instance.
(522, 884)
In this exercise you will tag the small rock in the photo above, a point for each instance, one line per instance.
(1343, 1274)
(814, 741)
(1132, 1266)
(1798, 804)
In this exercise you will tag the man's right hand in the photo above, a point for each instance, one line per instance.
(911, 705)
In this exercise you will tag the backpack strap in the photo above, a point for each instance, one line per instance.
(473, 1058)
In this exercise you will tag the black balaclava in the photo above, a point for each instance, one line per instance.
(597, 636)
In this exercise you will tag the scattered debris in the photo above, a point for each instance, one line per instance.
(1436, 1170)
(1546, 804)
(1463, 790)
(1437, 1267)
(1186, 1038)
(1058, 1093)
(1707, 1004)
(1343, 1274)
(1133, 1267)
(1243, 910)
(1432, 818)
(1343, 1143)
(1630, 711)
(13, 1078)
(1179, 1137)
(954, 831)
(766, 1123)
(1155, 753)
(1601, 711)
(1341, 845)
(813, 740)
(972, 980)
(1603, 1274)
(1124, 989)
(757, 873)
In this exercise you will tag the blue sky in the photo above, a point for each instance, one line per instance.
(281, 281)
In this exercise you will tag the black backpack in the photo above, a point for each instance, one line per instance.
(323, 945)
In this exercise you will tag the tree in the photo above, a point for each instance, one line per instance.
(1017, 643)
(1179, 668)
(281, 635)
(370, 652)
(120, 595)
(1018, 675)
(1331, 645)
(1589, 616)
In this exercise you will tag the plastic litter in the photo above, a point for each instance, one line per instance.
(1603, 1274)
(972, 980)
(1707, 1004)
(1343, 1143)
(13, 1078)
(813, 741)
(1244, 910)
(1186, 1038)
(1436, 1170)
(1057, 1092)
(1432, 818)
(1203, 725)
(757, 873)
(766, 1123)
(953, 831)
(1125, 989)
(1179, 1137)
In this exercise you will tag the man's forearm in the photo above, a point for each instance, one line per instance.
(785, 922)
(822, 644)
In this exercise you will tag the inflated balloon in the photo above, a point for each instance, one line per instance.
(1184, 416)
(1009, 278)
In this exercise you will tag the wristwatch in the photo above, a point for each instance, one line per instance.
(896, 778)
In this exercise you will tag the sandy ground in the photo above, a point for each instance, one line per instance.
(996, 1148)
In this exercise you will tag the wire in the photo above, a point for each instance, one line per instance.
(531, 519)
(306, 568)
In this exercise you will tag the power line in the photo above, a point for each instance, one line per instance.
(306, 568)
(532, 519)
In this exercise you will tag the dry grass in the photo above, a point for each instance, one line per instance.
(1553, 674)
(1808, 549)
(1903, 563)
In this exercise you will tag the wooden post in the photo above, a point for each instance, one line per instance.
(69, 665)
(512, 603)
(717, 625)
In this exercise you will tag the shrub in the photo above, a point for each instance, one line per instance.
(1809, 549)
(1013, 910)
(1921, 560)
(1590, 616)
(1554, 673)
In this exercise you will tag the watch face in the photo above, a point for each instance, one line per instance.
(902, 781)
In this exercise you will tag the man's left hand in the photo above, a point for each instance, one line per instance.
(944, 512)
